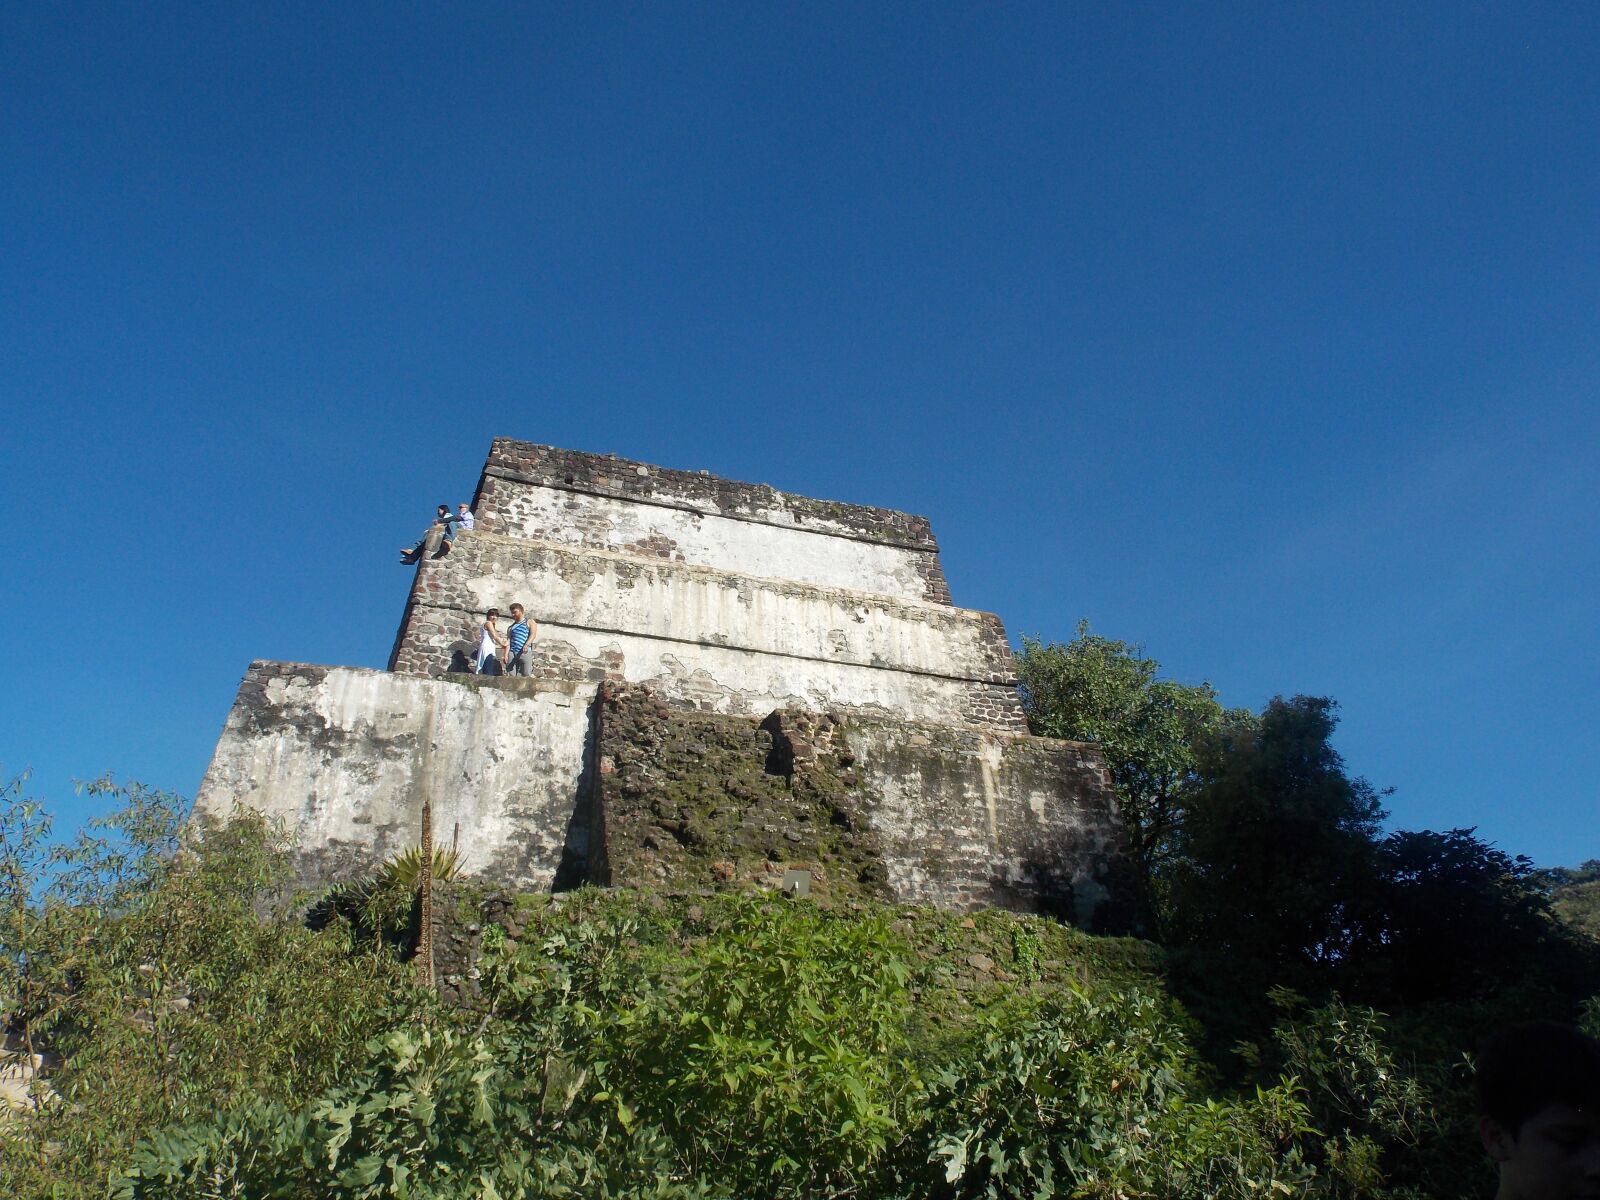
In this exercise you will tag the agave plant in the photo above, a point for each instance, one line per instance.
(404, 869)
(382, 904)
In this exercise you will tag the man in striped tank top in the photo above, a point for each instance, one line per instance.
(520, 638)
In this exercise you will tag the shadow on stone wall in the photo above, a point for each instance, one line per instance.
(583, 849)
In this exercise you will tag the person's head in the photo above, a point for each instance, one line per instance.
(492, 614)
(1538, 1091)
(444, 510)
(516, 611)
(462, 507)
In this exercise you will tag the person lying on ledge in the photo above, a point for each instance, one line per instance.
(434, 539)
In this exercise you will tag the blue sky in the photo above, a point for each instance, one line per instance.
(1266, 336)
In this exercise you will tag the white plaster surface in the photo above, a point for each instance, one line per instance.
(344, 757)
(666, 600)
(772, 551)
(18, 1071)
(964, 827)
(753, 684)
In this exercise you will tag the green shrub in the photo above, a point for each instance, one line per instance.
(167, 972)
(772, 1050)
(640, 1046)
(1092, 1095)
(1373, 1111)
(434, 1114)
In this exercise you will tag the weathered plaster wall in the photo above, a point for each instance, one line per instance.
(621, 594)
(718, 639)
(603, 474)
(972, 818)
(932, 814)
(717, 679)
(345, 757)
(648, 529)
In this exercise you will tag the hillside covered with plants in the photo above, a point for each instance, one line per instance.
(1292, 1018)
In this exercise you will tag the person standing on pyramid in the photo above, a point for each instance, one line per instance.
(519, 641)
(490, 645)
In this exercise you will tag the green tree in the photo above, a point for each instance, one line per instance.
(166, 976)
(1278, 856)
(1457, 917)
(1097, 689)
(1575, 895)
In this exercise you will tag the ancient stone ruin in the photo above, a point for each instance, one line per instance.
(732, 687)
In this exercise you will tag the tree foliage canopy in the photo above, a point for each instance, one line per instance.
(1149, 729)
(1278, 852)
(737, 1045)
(1258, 849)
(1575, 895)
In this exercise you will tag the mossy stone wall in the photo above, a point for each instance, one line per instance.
(704, 800)
(955, 816)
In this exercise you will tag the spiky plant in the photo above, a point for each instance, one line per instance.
(383, 904)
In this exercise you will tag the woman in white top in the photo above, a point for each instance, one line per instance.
(490, 644)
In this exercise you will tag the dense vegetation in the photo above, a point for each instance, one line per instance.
(1577, 895)
(1255, 845)
(202, 1040)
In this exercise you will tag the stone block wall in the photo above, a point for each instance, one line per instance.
(976, 818)
(707, 800)
(954, 817)
(606, 503)
(605, 474)
(728, 682)
(539, 790)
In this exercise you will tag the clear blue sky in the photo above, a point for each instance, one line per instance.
(1267, 336)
